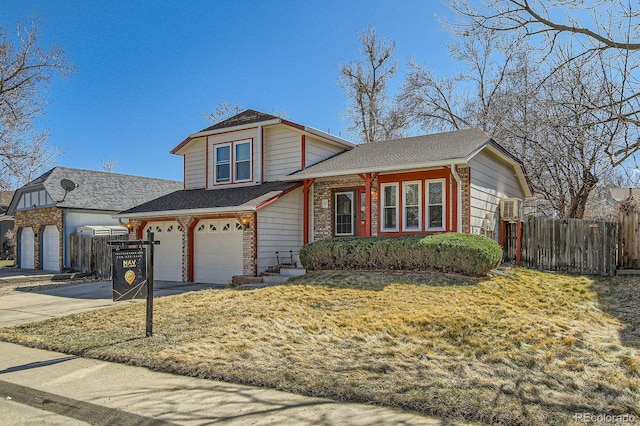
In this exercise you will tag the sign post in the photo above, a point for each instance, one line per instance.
(133, 273)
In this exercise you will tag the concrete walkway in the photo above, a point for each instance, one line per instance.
(47, 385)
(38, 305)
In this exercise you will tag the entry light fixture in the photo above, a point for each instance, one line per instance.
(245, 222)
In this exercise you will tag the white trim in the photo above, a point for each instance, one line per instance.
(190, 212)
(382, 206)
(404, 206)
(335, 213)
(231, 129)
(234, 161)
(443, 204)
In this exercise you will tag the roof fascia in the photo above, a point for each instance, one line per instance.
(405, 167)
(330, 137)
(187, 212)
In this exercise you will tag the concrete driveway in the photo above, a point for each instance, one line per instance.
(38, 305)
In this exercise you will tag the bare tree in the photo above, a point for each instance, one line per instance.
(605, 34)
(373, 117)
(108, 164)
(543, 119)
(223, 111)
(26, 70)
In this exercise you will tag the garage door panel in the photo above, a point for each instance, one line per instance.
(51, 248)
(167, 261)
(27, 260)
(218, 251)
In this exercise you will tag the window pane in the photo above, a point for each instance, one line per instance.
(435, 193)
(389, 196)
(435, 216)
(223, 154)
(412, 219)
(389, 218)
(243, 170)
(411, 194)
(223, 173)
(243, 151)
(344, 214)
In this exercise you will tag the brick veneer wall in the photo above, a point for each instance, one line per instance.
(37, 219)
(465, 188)
(323, 217)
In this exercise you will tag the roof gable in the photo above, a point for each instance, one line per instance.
(97, 190)
(248, 116)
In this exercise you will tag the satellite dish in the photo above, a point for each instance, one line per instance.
(68, 186)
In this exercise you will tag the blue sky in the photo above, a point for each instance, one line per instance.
(148, 71)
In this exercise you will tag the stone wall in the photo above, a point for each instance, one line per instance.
(37, 219)
(465, 189)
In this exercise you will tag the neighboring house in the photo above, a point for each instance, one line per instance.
(258, 186)
(45, 214)
(6, 222)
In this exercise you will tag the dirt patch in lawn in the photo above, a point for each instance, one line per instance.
(526, 348)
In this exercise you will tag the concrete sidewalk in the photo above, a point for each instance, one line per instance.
(48, 385)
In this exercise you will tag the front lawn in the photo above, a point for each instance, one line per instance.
(524, 348)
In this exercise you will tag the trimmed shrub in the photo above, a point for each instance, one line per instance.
(465, 254)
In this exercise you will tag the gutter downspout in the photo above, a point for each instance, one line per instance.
(259, 151)
(456, 177)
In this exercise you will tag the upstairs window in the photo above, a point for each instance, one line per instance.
(242, 161)
(223, 164)
(232, 162)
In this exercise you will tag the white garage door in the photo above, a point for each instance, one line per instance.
(218, 251)
(51, 248)
(167, 260)
(26, 248)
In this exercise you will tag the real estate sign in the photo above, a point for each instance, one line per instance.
(129, 274)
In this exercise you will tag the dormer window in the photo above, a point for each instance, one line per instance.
(232, 162)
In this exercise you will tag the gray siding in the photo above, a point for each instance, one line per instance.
(491, 180)
(282, 152)
(280, 229)
(317, 151)
(195, 165)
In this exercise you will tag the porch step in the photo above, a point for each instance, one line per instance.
(293, 272)
(274, 279)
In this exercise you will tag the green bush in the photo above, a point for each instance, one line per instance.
(466, 254)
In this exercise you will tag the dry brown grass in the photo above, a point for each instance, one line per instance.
(524, 348)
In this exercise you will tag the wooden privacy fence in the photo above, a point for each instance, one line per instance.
(92, 254)
(629, 239)
(569, 245)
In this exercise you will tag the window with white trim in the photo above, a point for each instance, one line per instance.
(389, 206)
(412, 206)
(435, 205)
(232, 162)
(242, 161)
(223, 163)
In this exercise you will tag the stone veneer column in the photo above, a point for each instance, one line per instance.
(249, 247)
(465, 180)
(185, 222)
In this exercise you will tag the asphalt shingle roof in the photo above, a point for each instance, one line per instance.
(245, 117)
(192, 199)
(100, 190)
(401, 153)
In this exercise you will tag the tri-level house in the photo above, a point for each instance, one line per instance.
(257, 187)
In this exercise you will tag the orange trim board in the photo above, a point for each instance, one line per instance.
(277, 197)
